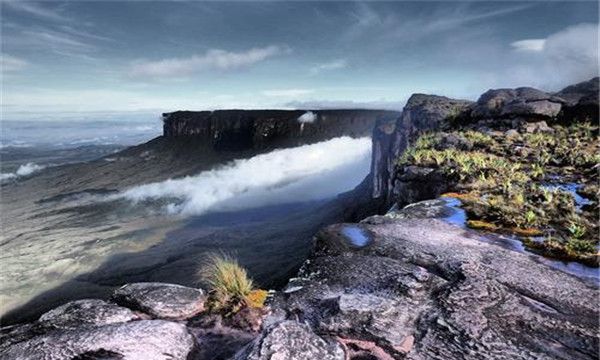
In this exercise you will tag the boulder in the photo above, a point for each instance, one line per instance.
(72, 315)
(160, 300)
(136, 340)
(86, 312)
(425, 112)
(291, 340)
(453, 141)
(538, 127)
(541, 108)
(521, 102)
(582, 102)
(512, 134)
(415, 183)
(585, 90)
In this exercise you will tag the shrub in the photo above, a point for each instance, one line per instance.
(580, 246)
(229, 283)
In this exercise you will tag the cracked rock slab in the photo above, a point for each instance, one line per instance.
(136, 340)
(160, 300)
(87, 312)
(426, 289)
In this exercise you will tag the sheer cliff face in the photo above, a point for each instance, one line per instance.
(235, 130)
(390, 138)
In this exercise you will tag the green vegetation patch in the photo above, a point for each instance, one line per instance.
(505, 183)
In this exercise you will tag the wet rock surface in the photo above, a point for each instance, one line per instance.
(97, 329)
(163, 301)
(426, 289)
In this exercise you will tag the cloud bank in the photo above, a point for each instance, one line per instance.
(563, 58)
(23, 170)
(304, 173)
(214, 59)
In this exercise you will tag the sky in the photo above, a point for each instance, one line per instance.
(102, 57)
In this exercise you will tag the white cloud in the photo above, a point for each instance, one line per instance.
(289, 93)
(529, 45)
(11, 63)
(214, 59)
(23, 170)
(36, 10)
(308, 172)
(376, 24)
(307, 117)
(28, 169)
(52, 38)
(566, 57)
(332, 65)
(61, 40)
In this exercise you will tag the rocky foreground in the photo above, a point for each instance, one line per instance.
(405, 285)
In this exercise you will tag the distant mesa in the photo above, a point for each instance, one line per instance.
(237, 130)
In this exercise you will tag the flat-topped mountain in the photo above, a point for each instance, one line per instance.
(259, 129)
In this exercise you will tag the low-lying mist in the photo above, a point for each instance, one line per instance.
(304, 173)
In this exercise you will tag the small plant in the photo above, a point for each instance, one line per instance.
(580, 246)
(478, 138)
(229, 283)
(425, 141)
(439, 157)
(548, 195)
(530, 217)
(537, 171)
(577, 231)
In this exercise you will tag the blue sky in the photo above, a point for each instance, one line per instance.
(160, 56)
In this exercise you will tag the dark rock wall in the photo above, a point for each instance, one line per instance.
(236, 130)
(422, 113)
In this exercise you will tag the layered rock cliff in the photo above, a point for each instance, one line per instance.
(236, 130)
(499, 108)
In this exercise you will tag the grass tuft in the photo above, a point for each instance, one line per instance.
(229, 283)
